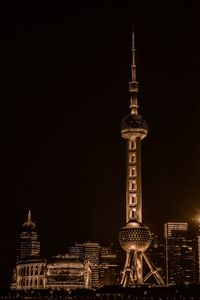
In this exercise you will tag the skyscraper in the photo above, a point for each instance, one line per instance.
(198, 256)
(134, 237)
(108, 267)
(29, 246)
(180, 254)
(89, 252)
(92, 255)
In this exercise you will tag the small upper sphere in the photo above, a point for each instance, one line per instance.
(135, 124)
(135, 236)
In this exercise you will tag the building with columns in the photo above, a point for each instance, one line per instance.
(64, 271)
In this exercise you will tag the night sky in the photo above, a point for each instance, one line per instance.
(64, 90)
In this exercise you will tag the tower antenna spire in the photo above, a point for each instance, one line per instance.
(133, 84)
(29, 221)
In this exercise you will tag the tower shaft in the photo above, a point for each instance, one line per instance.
(133, 180)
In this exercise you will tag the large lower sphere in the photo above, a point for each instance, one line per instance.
(135, 236)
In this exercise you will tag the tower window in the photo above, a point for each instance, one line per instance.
(132, 157)
(132, 185)
(132, 171)
(132, 198)
(132, 214)
(132, 145)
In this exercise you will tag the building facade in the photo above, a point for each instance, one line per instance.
(29, 274)
(29, 245)
(109, 270)
(90, 253)
(180, 253)
(67, 272)
(60, 272)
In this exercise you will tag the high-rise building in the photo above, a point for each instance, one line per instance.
(135, 237)
(198, 256)
(91, 251)
(180, 253)
(195, 225)
(109, 270)
(29, 246)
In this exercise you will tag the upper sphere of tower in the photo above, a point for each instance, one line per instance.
(135, 236)
(133, 126)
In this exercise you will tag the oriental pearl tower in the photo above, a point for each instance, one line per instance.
(135, 237)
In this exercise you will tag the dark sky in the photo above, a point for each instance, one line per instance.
(64, 90)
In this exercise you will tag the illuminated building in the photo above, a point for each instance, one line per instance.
(171, 227)
(77, 250)
(60, 272)
(196, 231)
(65, 271)
(135, 237)
(198, 256)
(103, 262)
(29, 246)
(180, 254)
(91, 254)
(109, 267)
(29, 274)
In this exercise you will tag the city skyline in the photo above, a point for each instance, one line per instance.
(62, 154)
(175, 254)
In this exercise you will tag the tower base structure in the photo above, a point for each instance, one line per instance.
(132, 273)
(135, 239)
